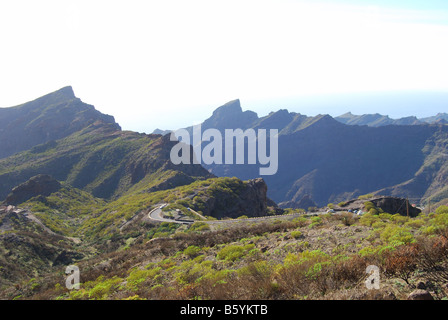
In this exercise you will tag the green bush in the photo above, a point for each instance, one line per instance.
(365, 196)
(315, 221)
(105, 288)
(301, 221)
(398, 218)
(234, 252)
(429, 230)
(368, 206)
(137, 277)
(369, 219)
(199, 226)
(296, 234)
(192, 251)
(442, 210)
(415, 224)
(396, 235)
(385, 216)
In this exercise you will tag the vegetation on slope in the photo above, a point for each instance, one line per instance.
(101, 160)
(311, 257)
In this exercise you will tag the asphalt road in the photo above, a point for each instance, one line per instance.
(156, 214)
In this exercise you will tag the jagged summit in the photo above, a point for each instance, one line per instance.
(59, 96)
(50, 117)
(230, 115)
(66, 91)
(230, 107)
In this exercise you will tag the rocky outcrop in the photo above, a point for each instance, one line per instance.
(396, 205)
(40, 185)
(250, 200)
(390, 205)
(420, 294)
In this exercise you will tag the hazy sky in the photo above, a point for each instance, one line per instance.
(170, 63)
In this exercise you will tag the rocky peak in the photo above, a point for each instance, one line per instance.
(231, 107)
(230, 116)
(50, 117)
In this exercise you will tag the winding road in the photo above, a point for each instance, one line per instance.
(156, 214)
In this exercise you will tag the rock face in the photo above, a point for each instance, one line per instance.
(250, 200)
(390, 205)
(396, 205)
(420, 294)
(42, 184)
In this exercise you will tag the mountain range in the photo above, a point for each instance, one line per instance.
(321, 159)
(77, 189)
(378, 120)
(325, 160)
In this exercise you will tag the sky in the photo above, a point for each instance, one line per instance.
(169, 63)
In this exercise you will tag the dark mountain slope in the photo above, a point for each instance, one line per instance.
(335, 164)
(74, 143)
(330, 161)
(430, 181)
(102, 160)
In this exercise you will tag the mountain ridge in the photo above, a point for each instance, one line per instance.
(51, 117)
(329, 161)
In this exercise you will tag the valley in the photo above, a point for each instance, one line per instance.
(85, 192)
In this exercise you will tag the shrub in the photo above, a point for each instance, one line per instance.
(442, 209)
(399, 218)
(296, 234)
(138, 276)
(369, 219)
(192, 251)
(234, 252)
(315, 221)
(441, 219)
(199, 226)
(385, 216)
(301, 221)
(415, 224)
(429, 230)
(378, 225)
(105, 288)
(365, 196)
(402, 262)
(348, 218)
(369, 205)
(396, 235)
